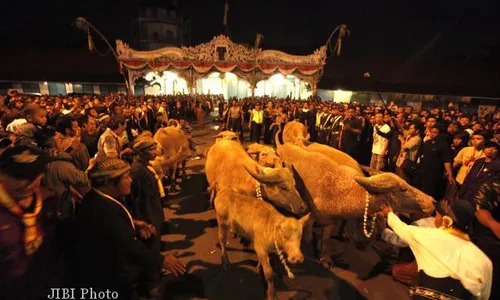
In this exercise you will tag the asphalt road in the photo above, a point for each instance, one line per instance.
(191, 232)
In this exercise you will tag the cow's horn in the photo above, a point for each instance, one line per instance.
(261, 177)
(380, 183)
(370, 170)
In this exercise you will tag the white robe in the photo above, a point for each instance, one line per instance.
(440, 255)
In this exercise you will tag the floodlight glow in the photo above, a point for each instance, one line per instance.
(342, 96)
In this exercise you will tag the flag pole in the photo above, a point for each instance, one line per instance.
(224, 22)
(85, 25)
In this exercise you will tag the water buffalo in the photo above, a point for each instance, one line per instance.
(335, 192)
(228, 165)
(227, 135)
(294, 134)
(266, 156)
(259, 222)
(172, 140)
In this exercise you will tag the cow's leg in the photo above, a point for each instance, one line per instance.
(222, 241)
(344, 235)
(212, 192)
(173, 182)
(324, 258)
(232, 232)
(258, 267)
(308, 231)
(184, 175)
(268, 273)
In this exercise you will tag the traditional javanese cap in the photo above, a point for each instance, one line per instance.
(23, 162)
(108, 168)
(144, 141)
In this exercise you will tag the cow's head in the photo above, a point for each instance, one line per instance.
(227, 135)
(288, 235)
(265, 156)
(391, 189)
(278, 186)
(295, 133)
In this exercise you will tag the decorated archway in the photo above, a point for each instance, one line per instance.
(240, 69)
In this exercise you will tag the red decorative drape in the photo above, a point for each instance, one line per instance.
(205, 67)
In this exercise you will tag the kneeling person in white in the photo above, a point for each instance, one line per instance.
(449, 263)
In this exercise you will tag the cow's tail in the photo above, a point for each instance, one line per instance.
(212, 190)
(173, 159)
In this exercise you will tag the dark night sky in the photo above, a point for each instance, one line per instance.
(388, 37)
(379, 28)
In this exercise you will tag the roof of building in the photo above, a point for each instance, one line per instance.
(477, 79)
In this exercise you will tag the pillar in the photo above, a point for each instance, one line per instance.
(314, 88)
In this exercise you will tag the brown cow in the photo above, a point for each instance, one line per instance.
(228, 165)
(172, 140)
(266, 156)
(227, 135)
(294, 134)
(259, 222)
(335, 192)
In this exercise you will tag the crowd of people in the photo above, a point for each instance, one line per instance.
(80, 204)
(445, 152)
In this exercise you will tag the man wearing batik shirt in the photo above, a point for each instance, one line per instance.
(109, 143)
(28, 252)
(468, 155)
(487, 227)
(482, 170)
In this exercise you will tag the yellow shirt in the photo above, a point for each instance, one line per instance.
(257, 116)
(464, 155)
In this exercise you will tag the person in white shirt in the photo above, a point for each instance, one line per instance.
(380, 143)
(449, 263)
(15, 125)
(398, 260)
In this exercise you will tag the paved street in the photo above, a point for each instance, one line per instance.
(191, 231)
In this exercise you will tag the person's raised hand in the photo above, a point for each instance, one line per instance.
(385, 210)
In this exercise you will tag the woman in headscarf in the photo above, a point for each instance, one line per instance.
(449, 264)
